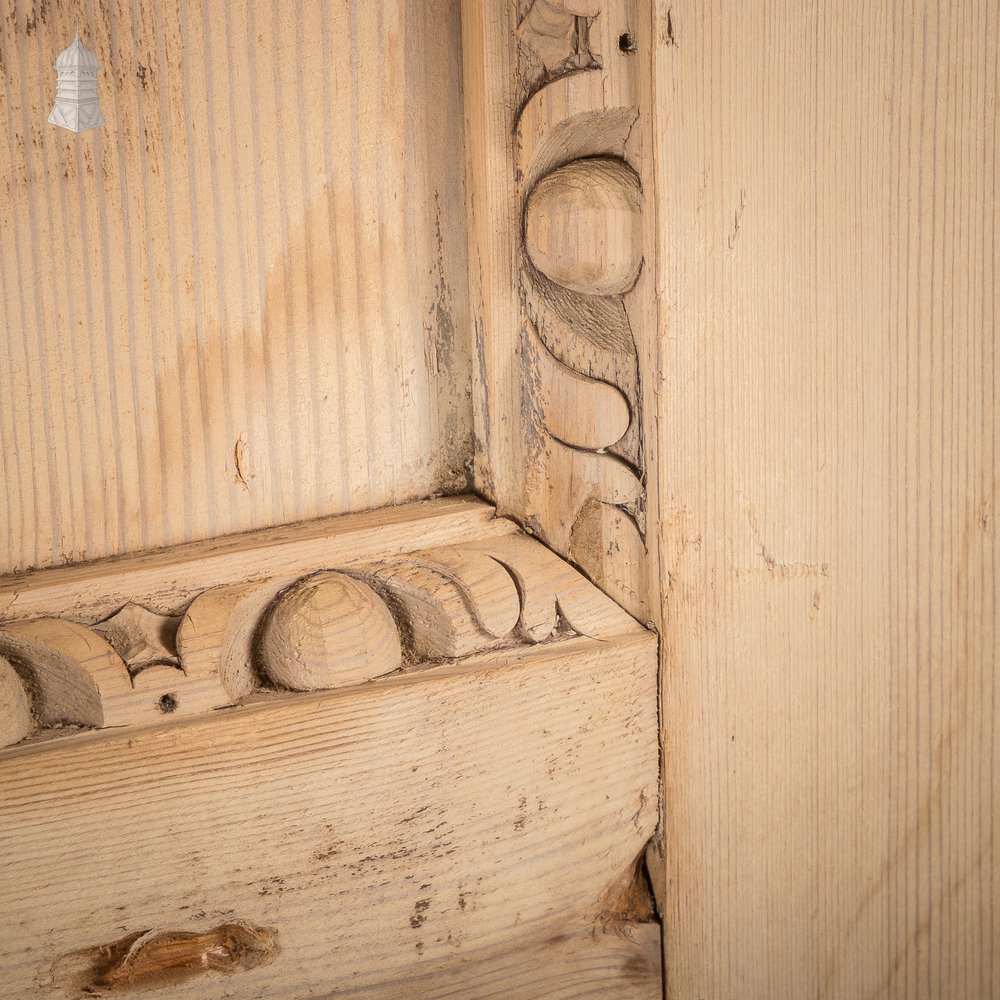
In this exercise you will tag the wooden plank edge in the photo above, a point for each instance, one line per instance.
(65, 752)
(83, 589)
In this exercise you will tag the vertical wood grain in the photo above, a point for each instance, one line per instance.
(244, 300)
(489, 57)
(826, 185)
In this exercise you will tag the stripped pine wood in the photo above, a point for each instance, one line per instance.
(826, 179)
(166, 579)
(568, 965)
(242, 303)
(205, 304)
(375, 834)
(326, 631)
(561, 254)
(489, 60)
(16, 720)
(339, 619)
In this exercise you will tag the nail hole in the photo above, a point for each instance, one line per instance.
(626, 41)
(167, 704)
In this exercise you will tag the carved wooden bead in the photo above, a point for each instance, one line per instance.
(582, 226)
(328, 630)
(15, 711)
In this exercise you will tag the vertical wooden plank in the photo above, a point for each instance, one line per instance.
(258, 491)
(224, 94)
(216, 308)
(826, 186)
(439, 190)
(488, 51)
(50, 239)
(22, 171)
(310, 181)
(131, 341)
(22, 533)
(369, 89)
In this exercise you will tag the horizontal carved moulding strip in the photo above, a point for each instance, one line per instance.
(330, 627)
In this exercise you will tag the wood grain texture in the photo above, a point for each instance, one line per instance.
(168, 578)
(382, 833)
(207, 304)
(826, 183)
(572, 964)
(581, 226)
(313, 626)
(16, 720)
(562, 298)
(328, 630)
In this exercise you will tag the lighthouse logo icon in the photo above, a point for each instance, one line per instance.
(76, 89)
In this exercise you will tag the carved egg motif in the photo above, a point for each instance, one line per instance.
(328, 630)
(15, 710)
(582, 226)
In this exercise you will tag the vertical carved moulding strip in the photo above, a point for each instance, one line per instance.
(581, 285)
